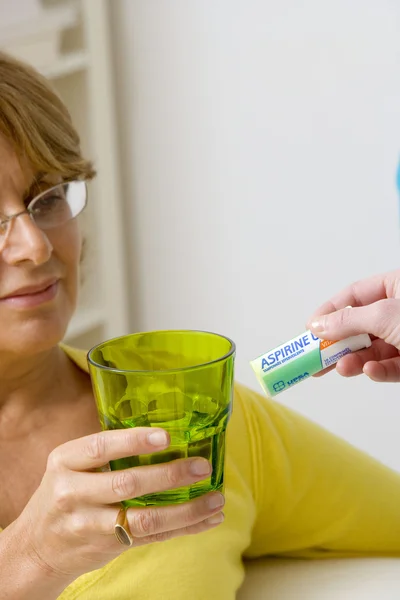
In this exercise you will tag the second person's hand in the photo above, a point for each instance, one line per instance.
(375, 310)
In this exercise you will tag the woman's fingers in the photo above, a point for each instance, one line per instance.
(156, 520)
(360, 293)
(115, 486)
(380, 362)
(209, 523)
(381, 319)
(146, 521)
(353, 364)
(387, 371)
(96, 450)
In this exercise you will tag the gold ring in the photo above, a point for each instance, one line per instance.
(122, 531)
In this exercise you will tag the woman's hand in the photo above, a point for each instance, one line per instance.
(68, 525)
(376, 310)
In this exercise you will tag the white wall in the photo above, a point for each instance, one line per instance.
(260, 141)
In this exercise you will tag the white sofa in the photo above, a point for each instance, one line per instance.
(350, 579)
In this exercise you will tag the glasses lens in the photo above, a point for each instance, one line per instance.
(3, 230)
(59, 204)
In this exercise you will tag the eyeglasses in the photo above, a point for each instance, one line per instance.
(51, 208)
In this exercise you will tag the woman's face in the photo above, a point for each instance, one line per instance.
(39, 270)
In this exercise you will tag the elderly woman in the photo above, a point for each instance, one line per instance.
(291, 488)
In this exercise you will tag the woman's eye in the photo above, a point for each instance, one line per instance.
(48, 202)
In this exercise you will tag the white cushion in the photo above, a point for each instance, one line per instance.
(346, 579)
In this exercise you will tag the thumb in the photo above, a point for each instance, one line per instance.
(381, 319)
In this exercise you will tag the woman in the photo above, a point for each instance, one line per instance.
(291, 488)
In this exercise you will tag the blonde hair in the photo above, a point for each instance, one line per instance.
(37, 123)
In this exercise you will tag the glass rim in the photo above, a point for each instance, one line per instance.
(194, 367)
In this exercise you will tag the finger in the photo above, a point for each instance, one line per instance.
(115, 486)
(153, 521)
(353, 364)
(144, 522)
(361, 293)
(205, 525)
(382, 319)
(387, 371)
(96, 450)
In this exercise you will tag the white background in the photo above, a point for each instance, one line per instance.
(260, 140)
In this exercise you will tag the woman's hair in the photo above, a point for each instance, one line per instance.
(37, 123)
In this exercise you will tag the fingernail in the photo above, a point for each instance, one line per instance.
(215, 519)
(317, 326)
(158, 438)
(215, 501)
(200, 467)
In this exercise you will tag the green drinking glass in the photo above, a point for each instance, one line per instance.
(181, 381)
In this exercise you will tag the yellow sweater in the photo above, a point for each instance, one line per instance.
(292, 489)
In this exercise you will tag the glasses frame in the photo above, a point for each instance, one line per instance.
(5, 220)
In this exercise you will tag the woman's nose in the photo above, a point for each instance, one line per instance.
(25, 242)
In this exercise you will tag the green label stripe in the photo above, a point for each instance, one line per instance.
(280, 379)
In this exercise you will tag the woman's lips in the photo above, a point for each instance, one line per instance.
(30, 300)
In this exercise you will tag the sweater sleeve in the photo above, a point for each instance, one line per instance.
(315, 495)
